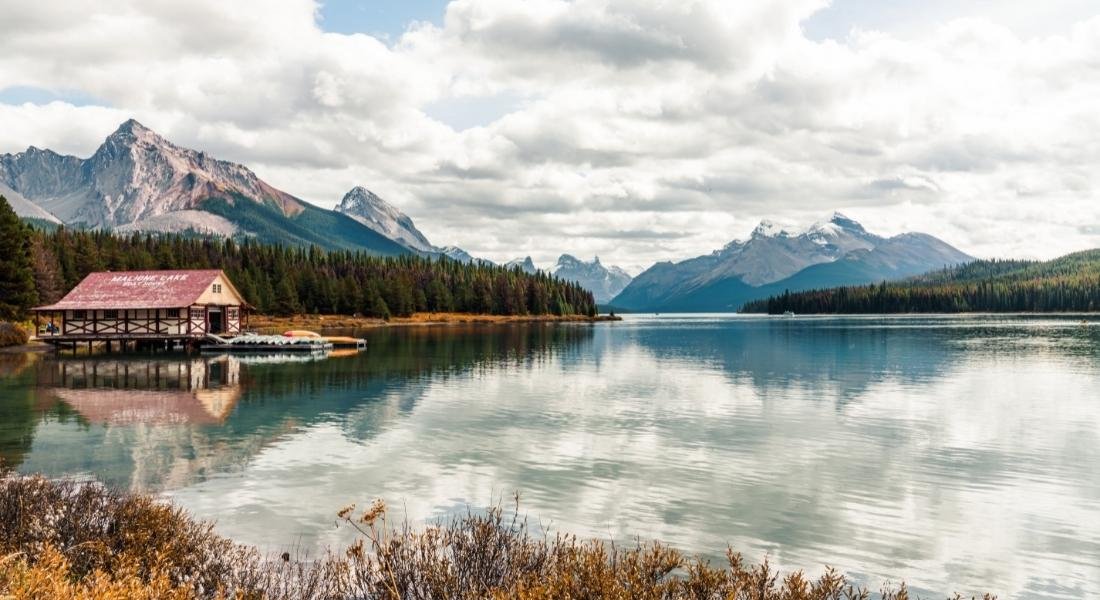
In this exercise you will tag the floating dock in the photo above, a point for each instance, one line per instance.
(283, 343)
(267, 343)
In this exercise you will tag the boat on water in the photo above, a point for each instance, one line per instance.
(788, 313)
(337, 341)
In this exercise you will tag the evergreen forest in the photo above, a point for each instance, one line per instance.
(38, 265)
(1067, 284)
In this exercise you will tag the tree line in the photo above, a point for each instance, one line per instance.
(39, 265)
(1067, 284)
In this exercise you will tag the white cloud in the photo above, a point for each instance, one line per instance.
(687, 120)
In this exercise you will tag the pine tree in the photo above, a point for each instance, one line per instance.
(47, 272)
(17, 293)
(286, 298)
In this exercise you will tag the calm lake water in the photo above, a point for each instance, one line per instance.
(957, 453)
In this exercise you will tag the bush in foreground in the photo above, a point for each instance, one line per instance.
(12, 335)
(81, 540)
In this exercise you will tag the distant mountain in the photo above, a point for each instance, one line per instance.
(525, 264)
(833, 252)
(604, 282)
(366, 207)
(462, 256)
(1066, 284)
(139, 181)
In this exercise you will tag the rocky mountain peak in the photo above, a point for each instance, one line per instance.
(603, 282)
(568, 260)
(132, 127)
(525, 264)
(371, 210)
(769, 229)
(358, 198)
(131, 133)
(838, 221)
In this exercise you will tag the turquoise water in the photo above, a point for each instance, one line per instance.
(957, 453)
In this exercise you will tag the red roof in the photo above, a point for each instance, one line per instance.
(136, 289)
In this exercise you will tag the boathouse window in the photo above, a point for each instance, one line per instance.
(217, 288)
(172, 313)
(79, 315)
(110, 314)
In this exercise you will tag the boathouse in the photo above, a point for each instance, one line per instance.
(145, 308)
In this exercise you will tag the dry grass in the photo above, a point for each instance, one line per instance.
(80, 540)
(12, 335)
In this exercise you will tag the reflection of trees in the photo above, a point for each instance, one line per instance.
(151, 422)
(17, 415)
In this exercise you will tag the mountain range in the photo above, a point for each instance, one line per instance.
(139, 181)
(604, 282)
(833, 252)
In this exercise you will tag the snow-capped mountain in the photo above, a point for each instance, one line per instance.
(139, 181)
(525, 264)
(366, 207)
(462, 256)
(835, 251)
(604, 282)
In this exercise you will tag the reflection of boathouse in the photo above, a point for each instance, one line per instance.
(197, 391)
(145, 307)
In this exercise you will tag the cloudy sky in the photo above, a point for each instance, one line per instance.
(635, 130)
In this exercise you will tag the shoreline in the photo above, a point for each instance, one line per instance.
(417, 319)
(30, 347)
(83, 539)
(322, 322)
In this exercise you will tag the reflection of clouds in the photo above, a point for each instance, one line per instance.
(954, 456)
(974, 478)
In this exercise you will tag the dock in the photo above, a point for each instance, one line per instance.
(265, 343)
(281, 343)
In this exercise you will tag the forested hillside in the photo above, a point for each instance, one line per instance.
(1067, 284)
(284, 280)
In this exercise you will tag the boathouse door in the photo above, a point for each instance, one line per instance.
(217, 321)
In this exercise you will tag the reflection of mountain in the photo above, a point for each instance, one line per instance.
(836, 357)
(164, 422)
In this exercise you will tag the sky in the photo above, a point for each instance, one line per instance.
(635, 130)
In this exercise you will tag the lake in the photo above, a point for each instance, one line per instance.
(956, 453)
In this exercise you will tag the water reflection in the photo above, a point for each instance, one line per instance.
(957, 453)
(150, 423)
(126, 391)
